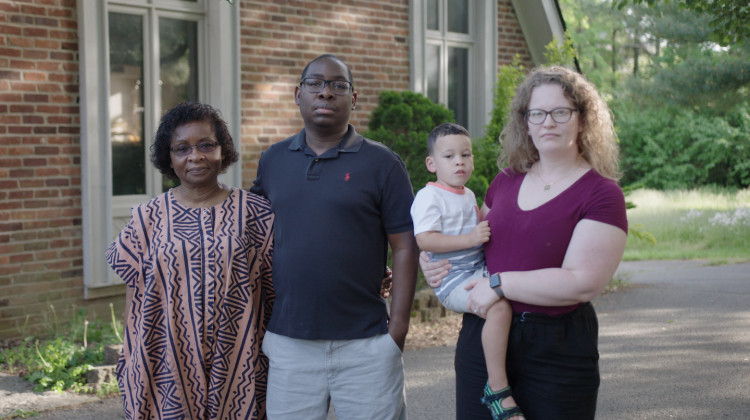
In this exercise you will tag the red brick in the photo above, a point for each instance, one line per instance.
(35, 98)
(33, 119)
(21, 108)
(35, 54)
(11, 52)
(21, 42)
(35, 32)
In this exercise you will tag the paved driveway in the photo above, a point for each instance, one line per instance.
(674, 346)
(678, 344)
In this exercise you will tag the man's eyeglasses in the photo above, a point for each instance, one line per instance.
(559, 115)
(338, 87)
(185, 149)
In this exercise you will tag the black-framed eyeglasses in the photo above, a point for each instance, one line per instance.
(313, 85)
(559, 115)
(185, 149)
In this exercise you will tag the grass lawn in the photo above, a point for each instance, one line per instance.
(709, 224)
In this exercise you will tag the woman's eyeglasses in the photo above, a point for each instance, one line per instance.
(559, 115)
(185, 149)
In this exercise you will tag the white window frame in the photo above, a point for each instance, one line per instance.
(482, 44)
(219, 85)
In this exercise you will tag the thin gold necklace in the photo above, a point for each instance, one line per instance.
(548, 185)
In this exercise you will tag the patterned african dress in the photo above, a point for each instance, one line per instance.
(202, 299)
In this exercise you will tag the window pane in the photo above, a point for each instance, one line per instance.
(126, 104)
(178, 59)
(432, 68)
(458, 84)
(178, 64)
(458, 16)
(433, 22)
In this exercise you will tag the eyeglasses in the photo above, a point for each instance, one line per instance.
(559, 115)
(184, 149)
(338, 87)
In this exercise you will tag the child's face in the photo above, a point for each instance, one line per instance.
(452, 160)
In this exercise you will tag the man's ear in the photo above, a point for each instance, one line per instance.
(430, 164)
(296, 95)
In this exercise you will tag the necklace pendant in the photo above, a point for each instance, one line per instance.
(547, 187)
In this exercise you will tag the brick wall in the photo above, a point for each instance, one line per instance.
(41, 255)
(277, 41)
(510, 39)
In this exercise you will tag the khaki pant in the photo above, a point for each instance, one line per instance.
(361, 379)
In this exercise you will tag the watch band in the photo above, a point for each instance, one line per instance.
(496, 283)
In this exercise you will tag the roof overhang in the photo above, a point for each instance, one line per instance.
(541, 21)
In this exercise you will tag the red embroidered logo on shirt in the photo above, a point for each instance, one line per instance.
(346, 177)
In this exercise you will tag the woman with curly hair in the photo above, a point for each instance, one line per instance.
(197, 263)
(558, 229)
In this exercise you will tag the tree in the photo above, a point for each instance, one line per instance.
(728, 19)
(680, 100)
(672, 59)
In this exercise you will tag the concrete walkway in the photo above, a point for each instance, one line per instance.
(674, 346)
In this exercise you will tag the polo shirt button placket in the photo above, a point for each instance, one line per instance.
(313, 170)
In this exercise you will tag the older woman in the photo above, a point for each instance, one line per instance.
(197, 260)
(558, 224)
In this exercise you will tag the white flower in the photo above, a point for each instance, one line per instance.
(691, 215)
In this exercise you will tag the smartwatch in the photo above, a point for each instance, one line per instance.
(496, 284)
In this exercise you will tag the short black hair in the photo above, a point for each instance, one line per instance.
(184, 113)
(445, 129)
(329, 57)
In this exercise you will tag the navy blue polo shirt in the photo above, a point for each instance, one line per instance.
(333, 214)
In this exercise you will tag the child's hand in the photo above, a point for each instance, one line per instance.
(481, 233)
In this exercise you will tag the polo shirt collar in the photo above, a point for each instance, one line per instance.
(351, 142)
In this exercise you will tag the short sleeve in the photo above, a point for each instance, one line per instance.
(426, 212)
(607, 205)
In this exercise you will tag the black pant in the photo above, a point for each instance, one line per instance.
(553, 366)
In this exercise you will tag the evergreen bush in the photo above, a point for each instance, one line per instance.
(402, 121)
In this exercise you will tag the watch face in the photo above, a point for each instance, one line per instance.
(495, 280)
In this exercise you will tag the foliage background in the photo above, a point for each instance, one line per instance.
(677, 82)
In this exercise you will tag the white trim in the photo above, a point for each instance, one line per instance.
(95, 157)
(223, 78)
(417, 30)
(484, 71)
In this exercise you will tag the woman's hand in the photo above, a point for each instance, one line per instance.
(481, 297)
(434, 271)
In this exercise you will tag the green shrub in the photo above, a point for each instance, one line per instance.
(487, 148)
(674, 147)
(402, 121)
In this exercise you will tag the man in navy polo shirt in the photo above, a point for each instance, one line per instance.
(339, 200)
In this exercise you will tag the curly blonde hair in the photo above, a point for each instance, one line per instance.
(597, 142)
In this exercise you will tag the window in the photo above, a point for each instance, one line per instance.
(139, 58)
(454, 57)
(176, 79)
